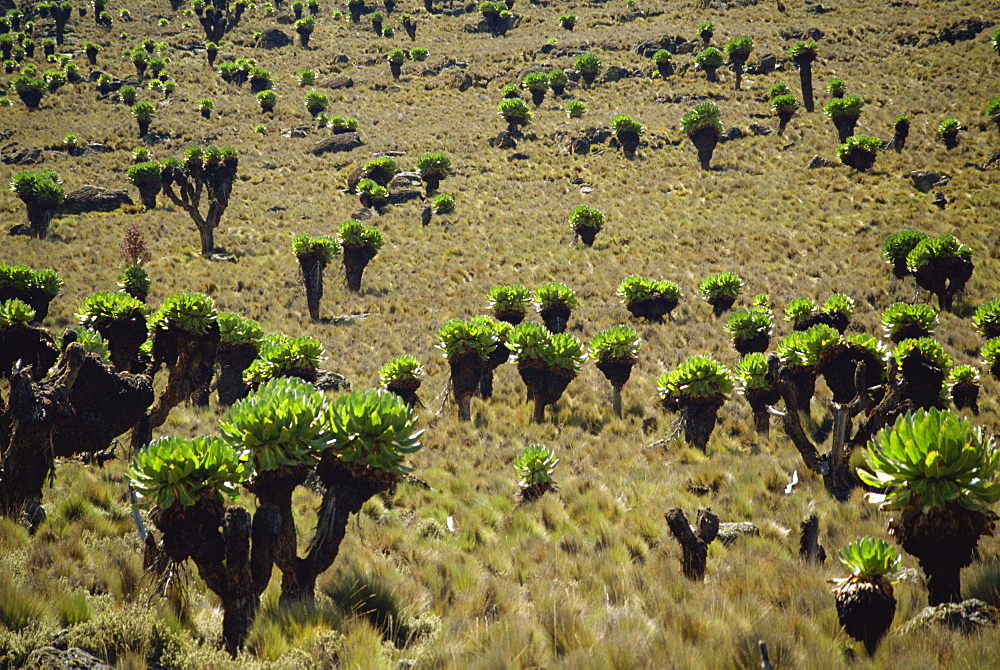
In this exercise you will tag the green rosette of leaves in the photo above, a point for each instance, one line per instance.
(535, 465)
(105, 306)
(174, 470)
(699, 378)
(235, 329)
(373, 427)
(193, 312)
(13, 313)
(869, 558)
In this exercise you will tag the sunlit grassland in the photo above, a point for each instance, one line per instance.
(458, 573)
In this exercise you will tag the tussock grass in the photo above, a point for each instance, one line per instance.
(459, 573)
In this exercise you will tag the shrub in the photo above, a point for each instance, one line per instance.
(622, 123)
(193, 312)
(514, 111)
(588, 63)
(898, 245)
(266, 99)
(698, 377)
(443, 203)
(704, 115)
(341, 124)
(993, 109)
(306, 77)
(990, 353)
(805, 348)
(784, 103)
(780, 88)
(615, 343)
(418, 54)
(104, 306)
(356, 234)
(931, 459)
(304, 244)
(555, 293)
(739, 48)
(836, 88)
(750, 324)
(839, 303)
(282, 356)
(900, 318)
(584, 217)
(434, 164)
(508, 298)
(751, 372)
(535, 465)
(38, 187)
(510, 91)
(987, 319)
(396, 56)
(868, 558)
(175, 470)
(635, 287)
(930, 352)
(235, 329)
(709, 58)
(847, 106)
(558, 78)
(134, 280)
(567, 21)
(723, 285)
(401, 368)
(575, 109)
(536, 81)
(128, 95)
(316, 102)
(206, 105)
(868, 147)
(949, 126)
(13, 312)
(929, 251)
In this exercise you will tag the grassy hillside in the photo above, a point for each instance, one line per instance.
(459, 573)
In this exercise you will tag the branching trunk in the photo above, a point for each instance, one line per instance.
(694, 546)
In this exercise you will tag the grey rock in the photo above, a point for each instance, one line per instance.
(925, 180)
(731, 133)
(28, 156)
(273, 39)
(338, 82)
(758, 129)
(993, 160)
(580, 143)
(961, 31)
(503, 140)
(675, 45)
(365, 214)
(460, 80)
(820, 162)
(74, 658)
(341, 58)
(297, 131)
(615, 73)
(90, 198)
(765, 65)
(730, 531)
(331, 381)
(967, 616)
(814, 34)
(97, 148)
(404, 195)
(818, 9)
(406, 180)
(336, 143)
(518, 157)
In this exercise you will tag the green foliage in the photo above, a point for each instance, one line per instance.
(193, 312)
(635, 287)
(236, 329)
(13, 312)
(709, 58)
(144, 173)
(784, 103)
(706, 27)
(872, 346)
(854, 143)
(401, 368)
(751, 372)
(303, 244)
(900, 315)
(555, 293)
(536, 81)
(283, 423)
(931, 459)
(396, 56)
(474, 337)
(739, 47)
(936, 250)
(316, 102)
(510, 91)
(805, 348)
(836, 87)
(41, 187)
(990, 353)
(987, 317)
(566, 353)
(443, 203)
(748, 324)
(206, 105)
(93, 342)
(583, 216)
(47, 281)
(662, 56)
(803, 50)
(535, 465)
(963, 374)
(623, 123)
(488, 8)
(993, 108)
(134, 279)
(128, 95)
(306, 77)
(850, 105)
(24, 83)
(705, 115)
(699, 378)
(869, 558)
(419, 54)
(514, 111)
(567, 21)
(353, 233)
(725, 284)
(899, 244)
(375, 428)
(305, 25)
(575, 109)
(927, 348)
(509, 297)
(558, 78)
(838, 303)
(435, 163)
(949, 126)
(385, 163)
(143, 111)
(105, 306)
(617, 342)
(174, 470)
(588, 63)
(266, 98)
(530, 342)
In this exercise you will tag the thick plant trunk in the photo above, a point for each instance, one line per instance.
(845, 125)
(966, 396)
(511, 316)
(943, 541)
(694, 546)
(900, 133)
(124, 337)
(34, 347)
(233, 361)
(721, 303)
(756, 344)
(866, 609)
(587, 235)
(784, 117)
(806, 81)
(355, 261)
(759, 399)
(652, 309)
(617, 371)
(191, 360)
(699, 417)
(630, 143)
(496, 358)
(207, 236)
(148, 190)
(704, 140)
(616, 400)
(143, 126)
(711, 73)
(431, 183)
(39, 217)
(312, 265)
(466, 373)
(738, 64)
(555, 317)
(407, 390)
(396, 69)
(537, 96)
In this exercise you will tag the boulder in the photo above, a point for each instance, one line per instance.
(766, 64)
(580, 143)
(820, 162)
(675, 45)
(404, 195)
(273, 38)
(74, 658)
(967, 616)
(90, 198)
(338, 82)
(962, 31)
(28, 156)
(758, 129)
(731, 133)
(337, 143)
(504, 140)
(406, 180)
(615, 73)
(925, 180)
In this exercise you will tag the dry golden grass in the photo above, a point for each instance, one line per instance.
(587, 576)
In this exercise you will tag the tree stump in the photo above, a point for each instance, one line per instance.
(694, 546)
